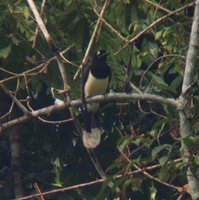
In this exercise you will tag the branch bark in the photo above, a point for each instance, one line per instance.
(54, 49)
(15, 143)
(81, 185)
(122, 97)
(184, 109)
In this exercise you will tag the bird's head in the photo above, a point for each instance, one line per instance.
(99, 67)
(101, 55)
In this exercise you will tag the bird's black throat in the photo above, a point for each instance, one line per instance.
(100, 69)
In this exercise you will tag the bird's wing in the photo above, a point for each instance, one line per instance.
(85, 75)
(109, 80)
(110, 76)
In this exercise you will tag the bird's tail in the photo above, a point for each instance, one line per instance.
(91, 136)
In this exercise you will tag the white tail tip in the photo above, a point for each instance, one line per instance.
(91, 140)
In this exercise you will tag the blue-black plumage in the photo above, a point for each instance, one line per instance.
(96, 79)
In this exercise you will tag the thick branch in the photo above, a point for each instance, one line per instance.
(54, 48)
(100, 98)
(184, 109)
(192, 52)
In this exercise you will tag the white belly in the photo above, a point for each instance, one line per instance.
(94, 87)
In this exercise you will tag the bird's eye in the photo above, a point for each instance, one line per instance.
(98, 53)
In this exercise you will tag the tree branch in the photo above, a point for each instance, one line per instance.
(111, 28)
(54, 48)
(152, 25)
(157, 6)
(18, 103)
(37, 28)
(184, 109)
(81, 185)
(85, 59)
(99, 98)
(40, 67)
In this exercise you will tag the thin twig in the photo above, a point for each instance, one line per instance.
(159, 7)
(38, 191)
(152, 25)
(55, 122)
(50, 121)
(8, 113)
(37, 28)
(135, 88)
(61, 64)
(111, 28)
(8, 72)
(95, 181)
(42, 26)
(41, 66)
(85, 59)
(18, 103)
(156, 60)
(179, 189)
(59, 59)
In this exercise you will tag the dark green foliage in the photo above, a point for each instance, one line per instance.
(146, 132)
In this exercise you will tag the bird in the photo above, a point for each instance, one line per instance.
(96, 79)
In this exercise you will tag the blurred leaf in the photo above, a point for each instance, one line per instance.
(4, 53)
(196, 159)
(153, 193)
(192, 142)
(57, 171)
(160, 148)
(123, 143)
(163, 160)
(137, 183)
(158, 79)
(164, 174)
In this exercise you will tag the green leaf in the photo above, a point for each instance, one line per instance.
(158, 149)
(57, 184)
(196, 159)
(101, 194)
(164, 173)
(136, 183)
(158, 79)
(153, 192)
(115, 165)
(158, 35)
(137, 141)
(26, 12)
(4, 53)
(123, 142)
(57, 170)
(136, 61)
(192, 142)
(163, 160)
(125, 186)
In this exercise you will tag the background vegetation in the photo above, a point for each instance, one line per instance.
(140, 148)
